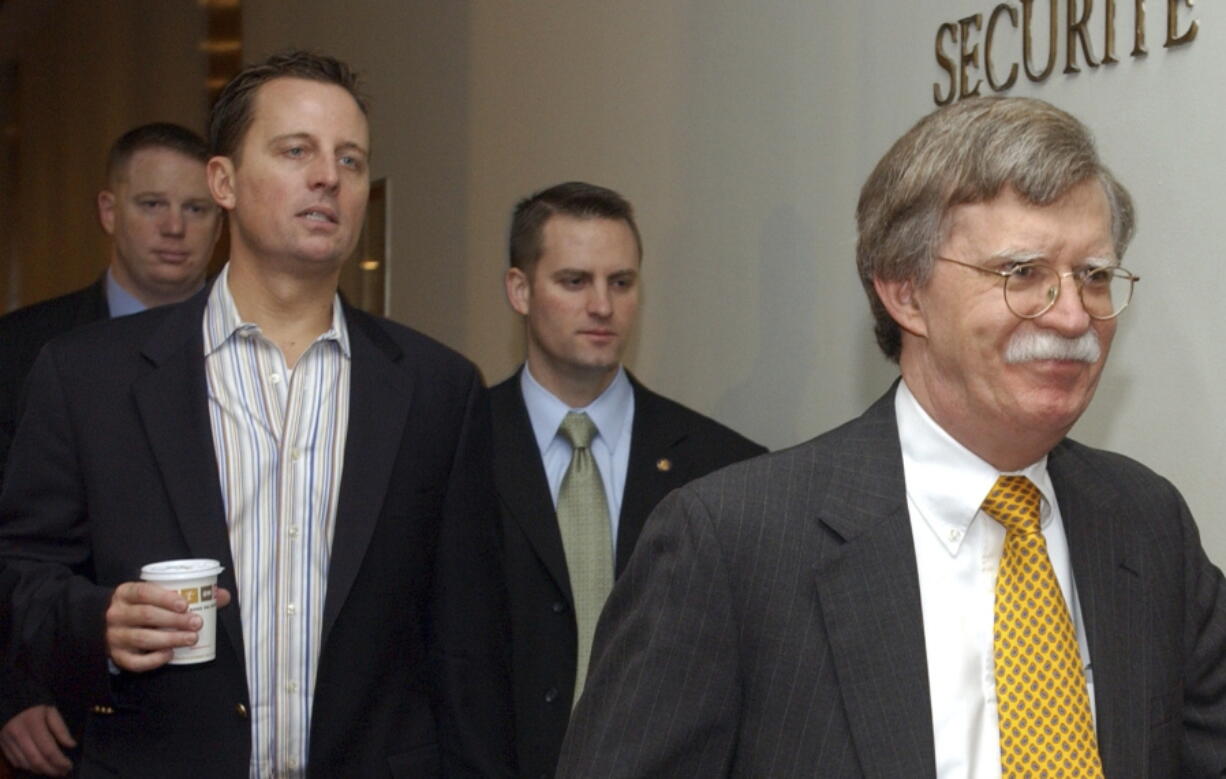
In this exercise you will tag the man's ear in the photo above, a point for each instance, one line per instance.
(106, 211)
(903, 304)
(220, 172)
(519, 290)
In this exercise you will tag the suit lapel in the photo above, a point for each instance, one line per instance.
(1110, 590)
(652, 437)
(868, 587)
(521, 482)
(380, 394)
(172, 402)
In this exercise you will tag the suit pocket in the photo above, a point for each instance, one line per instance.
(1165, 707)
(421, 761)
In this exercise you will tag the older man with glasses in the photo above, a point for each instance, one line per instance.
(946, 586)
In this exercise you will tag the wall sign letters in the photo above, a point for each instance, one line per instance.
(967, 50)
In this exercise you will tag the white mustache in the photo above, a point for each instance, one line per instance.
(1034, 345)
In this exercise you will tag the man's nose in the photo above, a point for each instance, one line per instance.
(1068, 315)
(325, 173)
(600, 300)
(174, 223)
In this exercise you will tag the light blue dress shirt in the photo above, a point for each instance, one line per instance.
(613, 414)
(119, 301)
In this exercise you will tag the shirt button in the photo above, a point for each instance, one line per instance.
(295, 454)
(292, 686)
(275, 378)
(954, 535)
(551, 695)
(293, 531)
(291, 609)
(558, 607)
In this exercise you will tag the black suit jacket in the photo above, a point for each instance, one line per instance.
(113, 466)
(669, 446)
(23, 333)
(770, 623)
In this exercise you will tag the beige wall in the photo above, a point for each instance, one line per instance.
(87, 72)
(742, 131)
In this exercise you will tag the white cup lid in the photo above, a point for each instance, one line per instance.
(176, 570)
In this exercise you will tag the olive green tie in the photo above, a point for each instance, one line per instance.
(1046, 728)
(583, 519)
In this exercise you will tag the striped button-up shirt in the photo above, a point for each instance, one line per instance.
(279, 436)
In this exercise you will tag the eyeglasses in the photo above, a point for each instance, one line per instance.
(1032, 288)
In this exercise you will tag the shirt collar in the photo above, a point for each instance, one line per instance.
(222, 321)
(120, 302)
(946, 481)
(607, 411)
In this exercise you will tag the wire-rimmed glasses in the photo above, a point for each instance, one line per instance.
(1032, 288)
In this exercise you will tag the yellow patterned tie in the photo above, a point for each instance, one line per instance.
(583, 519)
(1046, 729)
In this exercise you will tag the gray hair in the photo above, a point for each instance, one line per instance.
(968, 152)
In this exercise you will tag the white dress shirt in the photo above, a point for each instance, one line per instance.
(613, 414)
(957, 550)
(279, 437)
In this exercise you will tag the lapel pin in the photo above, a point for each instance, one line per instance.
(664, 464)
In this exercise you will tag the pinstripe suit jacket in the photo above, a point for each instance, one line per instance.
(769, 623)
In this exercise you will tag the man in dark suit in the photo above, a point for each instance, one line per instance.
(336, 464)
(575, 254)
(946, 586)
(163, 224)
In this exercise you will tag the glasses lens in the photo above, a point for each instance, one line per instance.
(1031, 289)
(1106, 291)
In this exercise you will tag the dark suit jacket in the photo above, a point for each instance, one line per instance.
(670, 445)
(24, 332)
(770, 624)
(113, 466)
(22, 335)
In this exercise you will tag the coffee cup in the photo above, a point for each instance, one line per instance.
(196, 581)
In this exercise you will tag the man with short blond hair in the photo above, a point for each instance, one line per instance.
(163, 223)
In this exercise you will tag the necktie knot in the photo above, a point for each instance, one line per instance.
(1014, 502)
(578, 429)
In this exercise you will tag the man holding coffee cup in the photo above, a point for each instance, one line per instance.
(335, 465)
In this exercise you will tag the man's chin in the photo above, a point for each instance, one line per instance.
(600, 366)
(593, 368)
(176, 281)
(1055, 411)
(325, 251)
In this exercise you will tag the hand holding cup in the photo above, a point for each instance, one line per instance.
(169, 619)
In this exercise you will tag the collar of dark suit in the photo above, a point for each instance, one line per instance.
(864, 462)
(182, 327)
